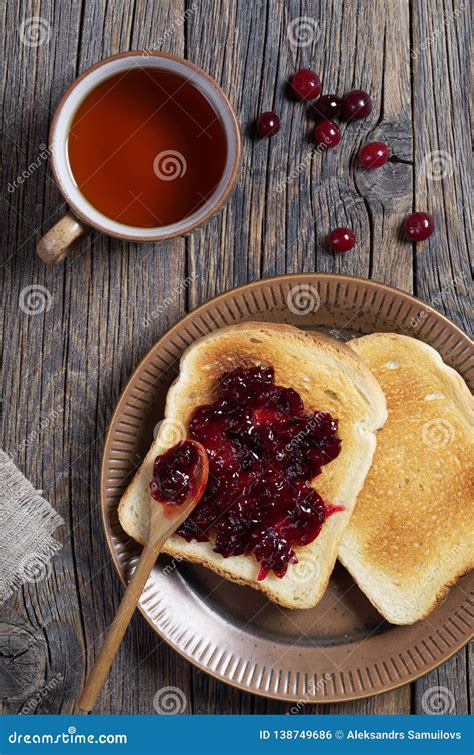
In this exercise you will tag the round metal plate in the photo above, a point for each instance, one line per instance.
(342, 649)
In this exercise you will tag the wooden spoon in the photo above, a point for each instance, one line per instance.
(164, 520)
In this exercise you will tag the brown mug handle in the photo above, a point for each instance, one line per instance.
(55, 244)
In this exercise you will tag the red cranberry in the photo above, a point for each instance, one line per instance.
(327, 133)
(328, 106)
(342, 239)
(306, 84)
(268, 124)
(419, 226)
(356, 104)
(374, 155)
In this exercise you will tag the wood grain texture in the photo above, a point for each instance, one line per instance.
(63, 369)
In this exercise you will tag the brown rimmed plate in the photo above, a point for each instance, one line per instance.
(342, 649)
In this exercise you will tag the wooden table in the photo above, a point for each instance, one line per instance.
(65, 367)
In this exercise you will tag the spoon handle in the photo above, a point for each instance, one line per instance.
(119, 625)
(163, 522)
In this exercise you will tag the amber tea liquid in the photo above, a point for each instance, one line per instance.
(147, 148)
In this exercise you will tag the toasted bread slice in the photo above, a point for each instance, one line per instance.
(411, 535)
(329, 376)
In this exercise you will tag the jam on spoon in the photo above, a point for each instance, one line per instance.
(177, 474)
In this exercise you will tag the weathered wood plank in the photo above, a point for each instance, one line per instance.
(444, 690)
(440, 81)
(33, 380)
(442, 154)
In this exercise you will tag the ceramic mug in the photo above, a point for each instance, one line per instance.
(54, 246)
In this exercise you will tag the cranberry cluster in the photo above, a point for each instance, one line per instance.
(354, 105)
